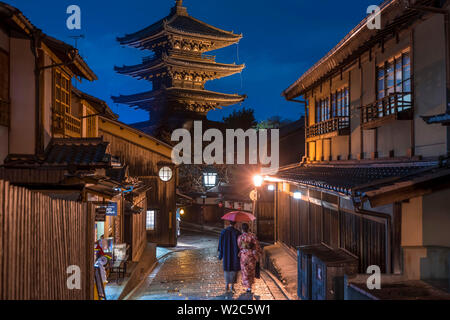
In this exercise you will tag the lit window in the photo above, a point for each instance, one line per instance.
(150, 220)
(165, 174)
(210, 179)
(62, 92)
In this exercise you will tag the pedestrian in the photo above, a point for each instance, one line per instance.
(250, 252)
(229, 252)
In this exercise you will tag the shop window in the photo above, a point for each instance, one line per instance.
(151, 220)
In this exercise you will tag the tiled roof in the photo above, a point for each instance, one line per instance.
(99, 105)
(351, 178)
(223, 99)
(79, 152)
(179, 21)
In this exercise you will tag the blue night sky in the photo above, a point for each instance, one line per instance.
(282, 39)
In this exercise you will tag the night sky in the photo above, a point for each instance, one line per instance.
(282, 39)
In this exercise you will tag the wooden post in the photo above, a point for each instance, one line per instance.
(396, 239)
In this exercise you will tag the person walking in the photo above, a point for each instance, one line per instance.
(249, 254)
(229, 253)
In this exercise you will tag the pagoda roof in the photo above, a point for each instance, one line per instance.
(204, 65)
(181, 23)
(174, 93)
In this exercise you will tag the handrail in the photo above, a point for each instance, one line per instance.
(327, 126)
(391, 104)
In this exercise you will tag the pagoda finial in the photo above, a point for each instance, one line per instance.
(179, 9)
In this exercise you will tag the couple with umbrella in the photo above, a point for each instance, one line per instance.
(240, 251)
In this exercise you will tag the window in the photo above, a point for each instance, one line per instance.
(91, 123)
(150, 220)
(340, 103)
(210, 179)
(62, 92)
(394, 76)
(322, 110)
(165, 174)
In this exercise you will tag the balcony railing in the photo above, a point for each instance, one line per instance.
(66, 124)
(338, 125)
(396, 106)
(4, 113)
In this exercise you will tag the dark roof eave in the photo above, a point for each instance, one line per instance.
(299, 87)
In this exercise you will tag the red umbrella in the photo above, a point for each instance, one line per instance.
(239, 216)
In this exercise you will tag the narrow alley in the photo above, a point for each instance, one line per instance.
(193, 272)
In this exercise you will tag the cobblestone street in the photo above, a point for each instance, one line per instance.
(193, 272)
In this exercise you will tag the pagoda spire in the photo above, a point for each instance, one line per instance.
(179, 9)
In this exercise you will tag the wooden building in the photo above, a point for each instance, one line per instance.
(148, 160)
(374, 182)
(178, 71)
(61, 142)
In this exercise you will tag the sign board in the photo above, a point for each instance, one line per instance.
(111, 209)
(100, 214)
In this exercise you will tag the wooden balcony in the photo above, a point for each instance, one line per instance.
(4, 113)
(333, 127)
(396, 106)
(66, 124)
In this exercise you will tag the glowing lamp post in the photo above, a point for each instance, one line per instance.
(258, 181)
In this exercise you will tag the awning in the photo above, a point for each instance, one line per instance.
(378, 183)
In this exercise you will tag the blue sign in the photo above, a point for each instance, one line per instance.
(111, 209)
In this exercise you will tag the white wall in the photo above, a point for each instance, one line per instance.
(430, 85)
(22, 131)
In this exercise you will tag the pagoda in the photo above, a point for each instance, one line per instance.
(178, 70)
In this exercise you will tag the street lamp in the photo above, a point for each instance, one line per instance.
(258, 181)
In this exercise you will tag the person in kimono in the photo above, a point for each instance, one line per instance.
(250, 252)
(229, 253)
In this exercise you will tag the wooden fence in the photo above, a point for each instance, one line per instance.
(40, 238)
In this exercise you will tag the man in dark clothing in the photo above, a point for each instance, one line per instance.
(228, 251)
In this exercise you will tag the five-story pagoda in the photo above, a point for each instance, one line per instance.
(178, 71)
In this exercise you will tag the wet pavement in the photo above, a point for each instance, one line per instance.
(193, 272)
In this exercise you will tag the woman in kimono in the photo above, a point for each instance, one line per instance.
(249, 254)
